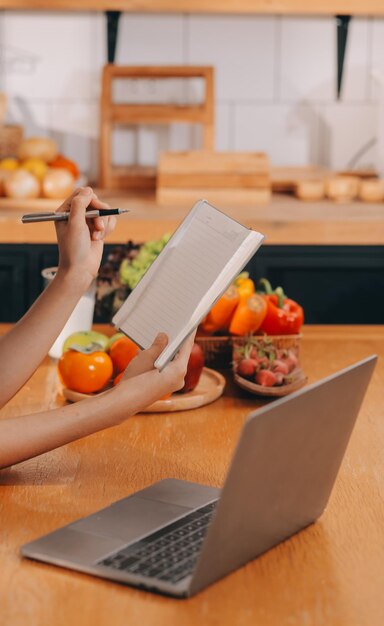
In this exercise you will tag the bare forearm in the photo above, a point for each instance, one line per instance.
(27, 436)
(24, 347)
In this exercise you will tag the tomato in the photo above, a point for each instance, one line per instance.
(194, 368)
(62, 162)
(122, 351)
(85, 372)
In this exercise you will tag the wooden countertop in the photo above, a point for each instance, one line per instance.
(330, 574)
(284, 221)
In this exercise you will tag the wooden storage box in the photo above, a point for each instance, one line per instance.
(240, 178)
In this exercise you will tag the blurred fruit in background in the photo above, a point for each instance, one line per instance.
(86, 338)
(38, 148)
(9, 164)
(55, 175)
(21, 184)
(57, 183)
(35, 166)
(62, 162)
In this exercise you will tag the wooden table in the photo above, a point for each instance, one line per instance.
(329, 574)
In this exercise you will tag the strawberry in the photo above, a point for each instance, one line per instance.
(246, 368)
(254, 353)
(266, 378)
(264, 362)
(280, 366)
(291, 361)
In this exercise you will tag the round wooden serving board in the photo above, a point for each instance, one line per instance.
(271, 392)
(211, 386)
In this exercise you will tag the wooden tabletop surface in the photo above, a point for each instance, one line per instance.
(285, 220)
(331, 574)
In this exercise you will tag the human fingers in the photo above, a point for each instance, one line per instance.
(186, 347)
(100, 226)
(96, 203)
(145, 360)
(66, 205)
(177, 368)
(157, 346)
(96, 228)
(79, 205)
(110, 224)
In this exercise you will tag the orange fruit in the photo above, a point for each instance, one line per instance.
(85, 372)
(122, 351)
(118, 378)
(62, 162)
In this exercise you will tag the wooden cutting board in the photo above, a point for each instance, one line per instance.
(285, 179)
(29, 205)
(220, 177)
(210, 388)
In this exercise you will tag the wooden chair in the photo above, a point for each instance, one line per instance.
(134, 177)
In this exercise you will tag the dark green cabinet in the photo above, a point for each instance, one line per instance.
(335, 284)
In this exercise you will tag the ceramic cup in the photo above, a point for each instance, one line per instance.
(81, 317)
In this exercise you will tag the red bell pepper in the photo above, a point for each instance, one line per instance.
(284, 316)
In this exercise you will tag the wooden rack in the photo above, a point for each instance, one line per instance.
(112, 177)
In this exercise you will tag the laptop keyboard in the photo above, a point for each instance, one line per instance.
(168, 554)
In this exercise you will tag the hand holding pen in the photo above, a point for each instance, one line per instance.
(81, 240)
(63, 216)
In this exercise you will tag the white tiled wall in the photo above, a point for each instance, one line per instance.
(275, 83)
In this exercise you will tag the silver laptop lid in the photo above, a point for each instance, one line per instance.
(283, 470)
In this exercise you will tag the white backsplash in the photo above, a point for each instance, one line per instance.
(275, 83)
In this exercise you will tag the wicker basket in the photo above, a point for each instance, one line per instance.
(219, 352)
(10, 139)
(281, 342)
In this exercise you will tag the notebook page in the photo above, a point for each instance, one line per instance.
(186, 273)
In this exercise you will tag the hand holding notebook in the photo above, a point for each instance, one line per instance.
(194, 269)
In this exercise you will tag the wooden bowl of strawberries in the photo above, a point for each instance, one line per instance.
(268, 365)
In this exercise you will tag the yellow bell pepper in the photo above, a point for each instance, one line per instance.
(245, 285)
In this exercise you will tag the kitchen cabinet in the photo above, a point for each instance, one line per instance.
(335, 284)
(20, 276)
(328, 256)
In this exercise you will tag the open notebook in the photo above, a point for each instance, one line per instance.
(194, 269)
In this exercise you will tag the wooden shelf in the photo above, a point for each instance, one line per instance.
(112, 114)
(282, 7)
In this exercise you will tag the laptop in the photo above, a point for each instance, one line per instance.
(177, 537)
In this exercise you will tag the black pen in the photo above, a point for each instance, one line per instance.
(61, 217)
